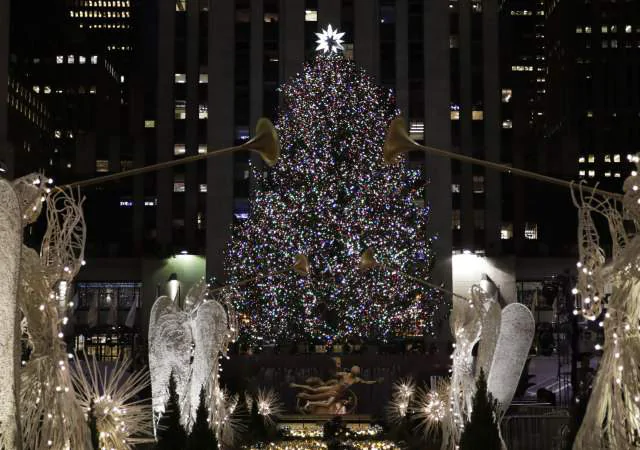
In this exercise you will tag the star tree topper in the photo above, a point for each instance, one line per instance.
(329, 41)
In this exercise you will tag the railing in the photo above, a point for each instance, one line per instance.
(548, 429)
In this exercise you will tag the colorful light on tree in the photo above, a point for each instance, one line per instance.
(331, 197)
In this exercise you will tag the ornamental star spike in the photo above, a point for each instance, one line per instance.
(329, 41)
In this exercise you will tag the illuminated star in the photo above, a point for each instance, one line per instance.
(329, 41)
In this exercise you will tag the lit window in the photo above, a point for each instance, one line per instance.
(614, 43)
(616, 175)
(455, 188)
(102, 165)
(589, 113)
(126, 203)
(604, 29)
(591, 173)
(202, 149)
(607, 174)
(578, 29)
(616, 158)
(455, 217)
(181, 5)
(92, 90)
(506, 231)
(178, 186)
(455, 115)
(36, 89)
(506, 95)
(47, 90)
(607, 158)
(204, 78)
(581, 159)
(242, 132)
(71, 59)
(82, 59)
(478, 184)
(203, 112)
(531, 230)
(416, 131)
(587, 30)
(477, 115)
(627, 29)
(478, 219)
(94, 59)
(59, 59)
(181, 109)
(181, 78)
(57, 134)
(613, 28)
(311, 15)
(591, 158)
(179, 149)
(507, 123)
(270, 17)
(149, 123)
(203, 188)
(581, 173)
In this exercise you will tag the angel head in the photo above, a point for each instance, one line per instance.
(31, 190)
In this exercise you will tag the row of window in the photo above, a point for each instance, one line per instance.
(181, 78)
(71, 59)
(607, 158)
(81, 90)
(506, 230)
(606, 29)
(106, 3)
(181, 110)
(118, 26)
(99, 14)
(592, 173)
(102, 165)
(526, 12)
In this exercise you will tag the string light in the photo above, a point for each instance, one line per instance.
(331, 197)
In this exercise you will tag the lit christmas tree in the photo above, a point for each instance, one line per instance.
(331, 197)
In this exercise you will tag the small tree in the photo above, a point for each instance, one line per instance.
(256, 423)
(93, 427)
(202, 436)
(171, 434)
(481, 432)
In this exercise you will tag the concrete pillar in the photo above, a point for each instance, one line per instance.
(291, 38)
(192, 190)
(256, 84)
(437, 133)
(402, 56)
(6, 150)
(366, 37)
(220, 132)
(492, 126)
(165, 122)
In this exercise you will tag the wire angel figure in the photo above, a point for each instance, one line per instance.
(613, 413)
(188, 342)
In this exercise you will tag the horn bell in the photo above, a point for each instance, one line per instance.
(397, 141)
(301, 265)
(367, 260)
(265, 142)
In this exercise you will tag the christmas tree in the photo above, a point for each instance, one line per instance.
(330, 198)
(171, 434)
(202, 437)
(482, 429)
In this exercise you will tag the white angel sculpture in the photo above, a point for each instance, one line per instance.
(187, 343)
(612, 418)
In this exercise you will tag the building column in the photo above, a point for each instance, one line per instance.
(402, 57)
(466, 126)
(192, 189)
(329, 12)
(366, 37)
(291, 38)
(437, 133)
(492, 126)
(220, 133)
(6, 150)
(256, 83)
(165, 123)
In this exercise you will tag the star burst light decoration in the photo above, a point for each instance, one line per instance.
(329, 41)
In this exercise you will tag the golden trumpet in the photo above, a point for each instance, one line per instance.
(397, 142)
(301, 265)
(265, 142)
(367, 260)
